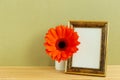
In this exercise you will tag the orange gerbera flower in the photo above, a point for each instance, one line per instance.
(61, 42)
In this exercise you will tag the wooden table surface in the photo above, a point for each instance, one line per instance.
(49, 73)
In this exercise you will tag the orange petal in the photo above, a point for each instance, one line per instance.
(49, 53)
(63, 31)
(50, 40)
(50, 37)
(48, 44)
(63, 54)
(74, 49)
(69, 33)
(58, 57)
(53, 33)
(75, 36)
(50, 48)
(70, 54)
(54, 55)
(59, 31)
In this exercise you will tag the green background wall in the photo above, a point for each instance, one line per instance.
(23, 24)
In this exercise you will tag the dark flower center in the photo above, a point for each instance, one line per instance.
(61, 44)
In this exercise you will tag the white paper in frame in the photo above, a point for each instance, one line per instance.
(90, 59)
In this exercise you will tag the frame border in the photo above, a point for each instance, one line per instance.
(90, 71)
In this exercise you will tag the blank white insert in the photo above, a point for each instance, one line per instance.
(88, 55)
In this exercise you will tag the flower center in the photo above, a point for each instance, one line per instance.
(61, 44)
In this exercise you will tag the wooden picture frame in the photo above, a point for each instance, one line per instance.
(90, 59)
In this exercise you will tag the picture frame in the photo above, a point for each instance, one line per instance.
(90, 59)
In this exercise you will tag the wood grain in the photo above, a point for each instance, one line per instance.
(49, 73)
